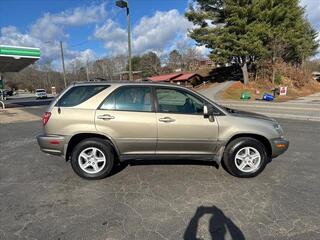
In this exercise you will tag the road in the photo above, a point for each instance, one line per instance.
(304, 108)
(26, 102)
(212, 92)
(41, 197)
(292, 110)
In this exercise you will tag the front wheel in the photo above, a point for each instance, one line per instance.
(245, 157)
(92, 158)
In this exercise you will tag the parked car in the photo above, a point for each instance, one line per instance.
(41, 93)
(94, 125)
(3, 95)
(9, 92)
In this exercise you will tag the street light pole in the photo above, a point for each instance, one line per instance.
(125, 4)
(129, 44)
(64, 69)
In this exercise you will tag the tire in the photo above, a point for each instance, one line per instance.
(245, 153)
(87, 158)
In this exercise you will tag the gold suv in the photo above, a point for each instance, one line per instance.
(95, 125)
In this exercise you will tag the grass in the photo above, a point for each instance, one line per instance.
(257, 89)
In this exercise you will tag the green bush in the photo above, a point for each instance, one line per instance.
(278, 78)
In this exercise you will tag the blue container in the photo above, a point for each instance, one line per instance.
(268, 97)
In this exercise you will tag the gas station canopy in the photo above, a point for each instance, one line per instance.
(14, 59)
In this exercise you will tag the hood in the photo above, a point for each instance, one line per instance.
(239, 113)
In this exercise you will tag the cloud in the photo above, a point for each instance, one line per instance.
(113, 37)
(11, 36)
(312, 8)
(312, 11)
(83, 56)
(160, 30)
(50, 28)
(203, 50)
(153, 33)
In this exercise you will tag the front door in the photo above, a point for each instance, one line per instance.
(128, 117)
(182, 128)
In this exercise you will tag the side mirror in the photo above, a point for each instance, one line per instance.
(206, 112)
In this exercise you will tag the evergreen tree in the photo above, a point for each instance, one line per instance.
(136, 63)
(289, 36)
(245, 31)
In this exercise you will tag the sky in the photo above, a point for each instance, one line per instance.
(92, 29)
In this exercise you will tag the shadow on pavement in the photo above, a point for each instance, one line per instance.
(219, 225)
(118, 168)
(172, 162)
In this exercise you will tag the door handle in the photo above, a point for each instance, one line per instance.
(106, 117)
(167, 119)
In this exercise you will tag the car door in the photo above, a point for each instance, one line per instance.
(182, 128)
(127, 116)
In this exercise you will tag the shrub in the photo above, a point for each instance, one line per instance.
(278, 78)
(297, 74)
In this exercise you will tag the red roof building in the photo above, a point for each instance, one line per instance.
(164, 78)
(185, 77)
(179, 78)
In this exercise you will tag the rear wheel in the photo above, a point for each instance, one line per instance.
(245, 157)
(92, 158)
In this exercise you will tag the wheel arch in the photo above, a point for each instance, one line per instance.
(75, 139)
(258, 137)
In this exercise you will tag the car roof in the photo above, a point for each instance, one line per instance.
(124, 83)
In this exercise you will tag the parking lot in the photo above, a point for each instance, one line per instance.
(41, 197)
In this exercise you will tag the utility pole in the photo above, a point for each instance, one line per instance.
(129, 44)
(125, 4)
(63, 67)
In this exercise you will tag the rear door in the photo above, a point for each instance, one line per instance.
(127, 116)
(182, 128)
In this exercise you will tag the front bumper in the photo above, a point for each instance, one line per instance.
(279, 146)
(52, 144)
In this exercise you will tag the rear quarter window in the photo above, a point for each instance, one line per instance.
(79, 94)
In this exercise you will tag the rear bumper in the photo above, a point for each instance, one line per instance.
(52, 144)
(279, 146)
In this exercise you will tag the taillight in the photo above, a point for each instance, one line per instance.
(45, 117)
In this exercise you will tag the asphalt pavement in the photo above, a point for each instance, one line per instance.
(212, 92)
(41, 197)
(286, 110)
(304, 108)
(30, 101)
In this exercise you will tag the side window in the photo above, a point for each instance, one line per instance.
(178, 101)
(79, 94)
(129, 99)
